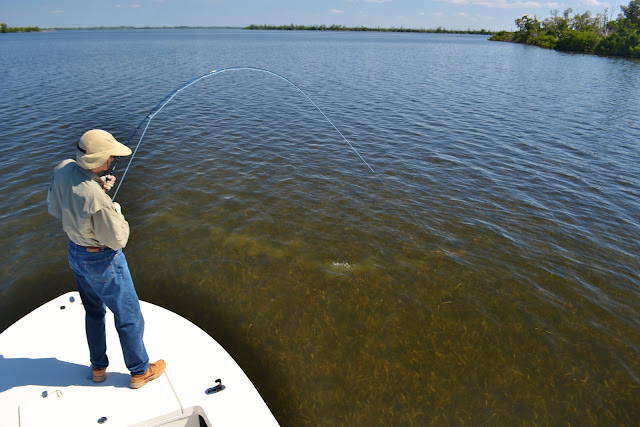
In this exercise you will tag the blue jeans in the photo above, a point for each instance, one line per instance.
(103, 279)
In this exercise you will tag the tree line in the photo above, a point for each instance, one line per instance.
(292, 27)
(581, 32)
(5, 29)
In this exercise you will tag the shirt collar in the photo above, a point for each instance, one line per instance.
(89, 174)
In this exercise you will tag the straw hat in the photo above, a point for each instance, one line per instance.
(95, 148)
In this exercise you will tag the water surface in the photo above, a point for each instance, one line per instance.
(486, 273)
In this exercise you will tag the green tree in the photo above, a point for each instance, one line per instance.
(586, 22)
(547, 41)
(529, 28)
(3, 27)
(555, 25)
(624, 37)
(631, 14)
(623, 42)
(578, 41)
(502, 36)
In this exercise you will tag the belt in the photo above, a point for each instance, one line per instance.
(92, 248)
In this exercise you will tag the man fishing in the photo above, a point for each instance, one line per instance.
(97, 233)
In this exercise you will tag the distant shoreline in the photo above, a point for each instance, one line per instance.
(124, 27)
(439, 30)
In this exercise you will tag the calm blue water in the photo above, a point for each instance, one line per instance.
(485, 273)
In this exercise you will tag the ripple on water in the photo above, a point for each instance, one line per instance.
(485, 272)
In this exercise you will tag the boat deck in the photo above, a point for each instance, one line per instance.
(45, 377)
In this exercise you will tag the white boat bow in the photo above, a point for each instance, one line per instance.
(45, 379)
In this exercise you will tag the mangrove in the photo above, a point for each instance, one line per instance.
(5, 29)
(581, 32)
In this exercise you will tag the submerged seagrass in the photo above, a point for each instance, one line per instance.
(249, 216)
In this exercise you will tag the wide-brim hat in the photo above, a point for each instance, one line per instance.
(95, 148)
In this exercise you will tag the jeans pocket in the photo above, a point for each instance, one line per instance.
(100, 270)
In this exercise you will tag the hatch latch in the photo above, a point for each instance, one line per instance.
(217, 388)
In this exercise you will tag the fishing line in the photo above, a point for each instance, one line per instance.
(167, 99)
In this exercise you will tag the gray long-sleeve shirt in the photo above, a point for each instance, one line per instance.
(88, 215)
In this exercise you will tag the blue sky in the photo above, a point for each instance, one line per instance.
(452, 14)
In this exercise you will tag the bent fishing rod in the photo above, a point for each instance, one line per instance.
(167, 99)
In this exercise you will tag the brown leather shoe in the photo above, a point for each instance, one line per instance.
(154, 371)
(99, 375)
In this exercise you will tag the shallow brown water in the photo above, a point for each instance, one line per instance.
(485, 274)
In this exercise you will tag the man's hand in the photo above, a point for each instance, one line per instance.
(107, 182)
